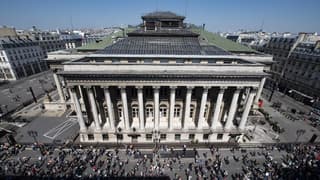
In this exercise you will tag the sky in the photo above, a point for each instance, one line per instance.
(218, 15)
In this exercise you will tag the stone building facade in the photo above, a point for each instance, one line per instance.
(160, 85)
(20, 58)
(296, 70)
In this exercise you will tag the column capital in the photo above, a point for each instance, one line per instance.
(122, 87)
(173, 87)
(72, 88)
(156, 87)
(139, 87)
(88, 87)
(104, 87)
(189, 87)
(222, 89)
(206, 88)
(254, 89)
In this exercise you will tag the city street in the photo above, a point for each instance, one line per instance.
(181, 163)
(292, 127)
(17, 94)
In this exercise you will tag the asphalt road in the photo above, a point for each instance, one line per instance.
(232, 166)
(16, 94)
(291, 126)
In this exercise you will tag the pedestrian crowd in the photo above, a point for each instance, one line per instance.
(294, 162)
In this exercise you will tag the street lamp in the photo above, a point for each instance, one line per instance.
(118, 134)
(156, 137)
(275, 87)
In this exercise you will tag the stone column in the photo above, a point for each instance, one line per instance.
(71, 99)
(232, 110)
(172, 104)
(202, 107)
(215, 118)
(125, 107)
(109, 106)
(59, 88)
(141, 109)
(156, 106)
(247, 109)
(78, 110)
(187, 106)
(93, 108)
(256, 100)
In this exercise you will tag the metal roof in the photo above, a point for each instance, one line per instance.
(162, 45)
(163, 32)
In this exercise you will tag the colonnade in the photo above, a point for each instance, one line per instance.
(214, 119)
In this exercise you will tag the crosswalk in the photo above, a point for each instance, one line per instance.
(56, 131)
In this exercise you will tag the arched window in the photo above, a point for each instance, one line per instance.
(135, 110)
(163, 110)
(149, 110)
(177, 111)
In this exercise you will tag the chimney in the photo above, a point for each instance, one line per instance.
(317, 46)
(302, 37)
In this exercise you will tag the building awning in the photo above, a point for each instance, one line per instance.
(300, 93)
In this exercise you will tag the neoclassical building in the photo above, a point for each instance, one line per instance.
(161, 84)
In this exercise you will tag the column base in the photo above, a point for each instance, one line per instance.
(217, 126)
(203, 124)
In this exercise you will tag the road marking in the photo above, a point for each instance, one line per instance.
(56, 131)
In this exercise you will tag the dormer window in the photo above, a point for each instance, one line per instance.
(169, 24)
(150, 25)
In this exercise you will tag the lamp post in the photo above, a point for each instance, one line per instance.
(118, 134)
(275, 87)
(155, 138)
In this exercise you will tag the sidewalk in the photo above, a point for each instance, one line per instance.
(291, 127)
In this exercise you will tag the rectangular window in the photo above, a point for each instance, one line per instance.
(149, 111)
(120, 113)
(219, 136)
(177, 112)
(163, 111)
(163, 136)
(206, 111)
(90, 137)
(149, 137)
(205, 136)
(177, 137)
(191, 136)
(119, 136)
(191, 112)
(135, 112)
(105, 137)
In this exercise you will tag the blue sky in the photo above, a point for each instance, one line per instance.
(218, 15)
